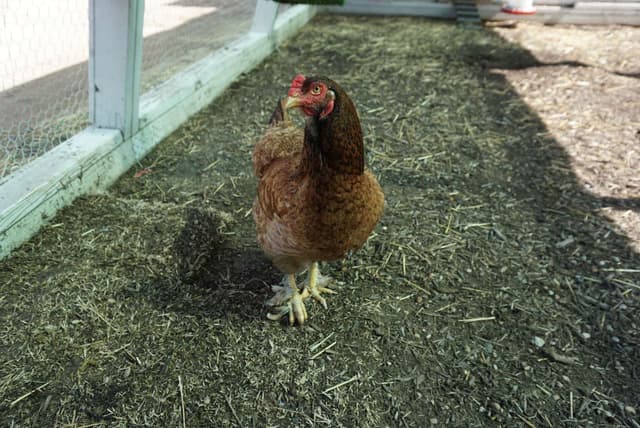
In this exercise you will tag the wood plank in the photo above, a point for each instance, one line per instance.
(621, 12)
(95, 158)
(608, 6)
(598, 3)
(563, 15)
(396, 8)
(33, 194)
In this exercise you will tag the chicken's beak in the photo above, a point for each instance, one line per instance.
(292, 102)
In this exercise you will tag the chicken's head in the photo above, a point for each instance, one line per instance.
(313, 95)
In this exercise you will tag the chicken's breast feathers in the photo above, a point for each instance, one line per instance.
(281, 139)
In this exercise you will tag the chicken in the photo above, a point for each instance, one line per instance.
(315, 201)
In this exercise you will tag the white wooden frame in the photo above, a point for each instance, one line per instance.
(93, 159)
(581, 13)
(408, 8)
(594, 12)
(265, 16)
(115, 59)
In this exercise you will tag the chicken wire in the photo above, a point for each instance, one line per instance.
(179, 32)
(43, 76)
(44, 50)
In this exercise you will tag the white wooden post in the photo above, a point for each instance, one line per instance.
(265, 16)
(115, 58)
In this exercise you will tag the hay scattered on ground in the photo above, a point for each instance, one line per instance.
(494, 291)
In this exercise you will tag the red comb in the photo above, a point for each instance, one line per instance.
(296, 85)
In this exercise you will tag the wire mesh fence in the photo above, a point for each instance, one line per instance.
(43, 76)
(178, 33)
(44, 50)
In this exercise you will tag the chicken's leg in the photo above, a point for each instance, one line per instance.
(316, 285)
(294, 302)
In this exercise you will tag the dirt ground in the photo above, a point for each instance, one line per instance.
(501, 287)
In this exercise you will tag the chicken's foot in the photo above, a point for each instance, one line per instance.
(316, 284)
(283, 293)
(293, 299)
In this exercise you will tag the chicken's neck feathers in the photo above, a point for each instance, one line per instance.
(333, 144)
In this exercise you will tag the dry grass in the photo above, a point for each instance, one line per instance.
(493, 292)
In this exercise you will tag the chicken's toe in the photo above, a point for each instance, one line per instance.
(281, 311)
(316, 284)
(315, 293)
(288, 300)
(297, 310)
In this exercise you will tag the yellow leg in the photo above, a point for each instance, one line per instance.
(316, 285)
(297, 311)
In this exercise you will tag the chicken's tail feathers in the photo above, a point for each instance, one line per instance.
(280, 113)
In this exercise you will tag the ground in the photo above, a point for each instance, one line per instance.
(500, 288)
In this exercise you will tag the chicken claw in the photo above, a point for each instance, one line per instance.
(294, 307)
(293, 302)
(297, 310)
(315, 294)
(316, 285)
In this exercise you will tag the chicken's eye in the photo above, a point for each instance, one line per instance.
(316, 90)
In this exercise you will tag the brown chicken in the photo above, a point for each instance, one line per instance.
(316, 200)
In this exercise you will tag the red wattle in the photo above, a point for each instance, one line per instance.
(327, 110)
